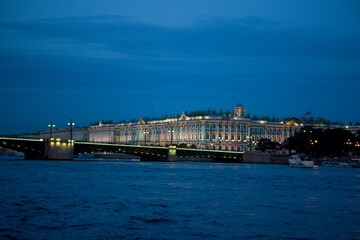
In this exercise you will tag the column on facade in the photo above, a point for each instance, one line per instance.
(265, 129)
(199, 131)
(236, 137)
(288, 132)
(236, 133)
(230, 132)
(224, 132)
(210, 131)
(160, 133)
(203, 132)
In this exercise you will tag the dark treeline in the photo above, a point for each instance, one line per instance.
(265, 144)
(324, 142)
(102, 121)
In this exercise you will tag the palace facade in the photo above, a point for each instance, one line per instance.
(237, 133)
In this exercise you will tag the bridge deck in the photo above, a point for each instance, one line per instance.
(38, 146)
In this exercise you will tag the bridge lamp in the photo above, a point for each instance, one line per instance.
(145, 136)
(71, 124)
(51, 126)
(171, 136)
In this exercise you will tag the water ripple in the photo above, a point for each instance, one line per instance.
(137, 200)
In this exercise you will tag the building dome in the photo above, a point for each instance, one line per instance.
(239, 111)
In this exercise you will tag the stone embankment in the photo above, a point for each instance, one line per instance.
(115, 156)
(262, 157)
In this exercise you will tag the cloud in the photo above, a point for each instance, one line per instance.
(215, 57)
(212, 38)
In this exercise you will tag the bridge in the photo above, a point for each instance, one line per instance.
(59, 149)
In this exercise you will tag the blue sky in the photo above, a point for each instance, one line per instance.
(93, 60)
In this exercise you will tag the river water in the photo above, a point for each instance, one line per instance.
(93, 199)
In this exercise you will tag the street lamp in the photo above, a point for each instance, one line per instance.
(219, 142)
(145, 136)
(171, 135)
(71, 124)
(51, 126)
(249, 140)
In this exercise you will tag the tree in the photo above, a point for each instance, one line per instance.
(264, 144)
(182, 145)
(319, 142)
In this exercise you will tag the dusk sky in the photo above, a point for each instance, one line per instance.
(113, 60)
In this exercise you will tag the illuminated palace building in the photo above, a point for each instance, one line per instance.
(237, 133)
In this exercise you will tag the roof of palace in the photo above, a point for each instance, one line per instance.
(239, 105)
(141, 122)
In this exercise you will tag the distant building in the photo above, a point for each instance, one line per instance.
(236, 133)
(78, 134)
(102, 133)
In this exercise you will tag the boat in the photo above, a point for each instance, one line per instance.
(355, 163)
(300, 160)
(335, 164)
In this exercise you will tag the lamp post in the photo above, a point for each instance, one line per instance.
(145, 135)
(171, 135)
(51, 127)
(249, 140)
(71, 124)
(219, 142)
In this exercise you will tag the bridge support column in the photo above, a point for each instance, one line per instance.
(172, 154)
(59, 150)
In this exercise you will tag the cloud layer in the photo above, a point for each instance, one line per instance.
(215, 62)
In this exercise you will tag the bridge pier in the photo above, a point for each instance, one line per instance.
(171, 154)
(59, 150)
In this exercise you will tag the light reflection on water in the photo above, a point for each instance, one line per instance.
(150, 200)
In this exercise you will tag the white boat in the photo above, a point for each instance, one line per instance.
(355, 162)
(335, 164)
(300, 160)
